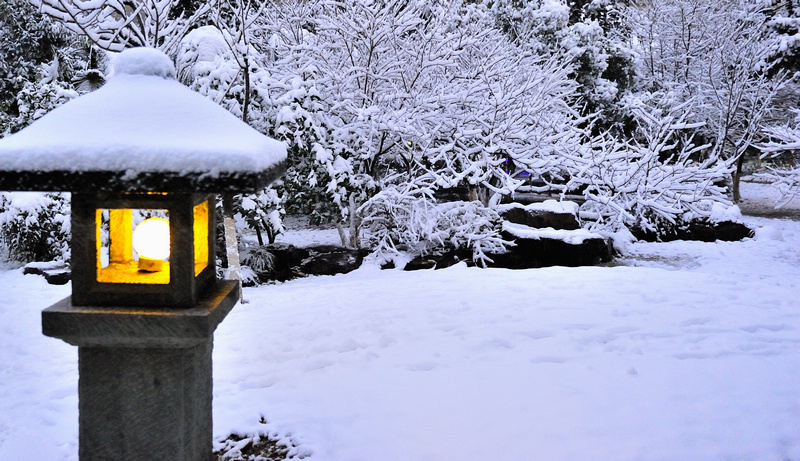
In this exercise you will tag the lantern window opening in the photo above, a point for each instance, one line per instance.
(118, 260)
(117, 255)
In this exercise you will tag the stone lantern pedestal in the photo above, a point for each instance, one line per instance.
(145, 376)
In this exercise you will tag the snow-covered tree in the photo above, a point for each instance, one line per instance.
(784, 23)
(28, 40)
(784, 142)
(39, 59)
(207, 62)
(587, 35)
(369, 94)
(437, 96)
(715, 54)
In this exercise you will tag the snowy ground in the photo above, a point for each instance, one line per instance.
(685, 351)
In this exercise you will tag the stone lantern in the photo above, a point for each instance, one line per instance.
(145, 302)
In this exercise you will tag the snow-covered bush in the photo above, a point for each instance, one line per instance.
(261, 211)
(654, 182)
(206, 64)
(407, 219)
(33, 48)
(35, 226)
(38, 59)
(785, 25)
(35, 100)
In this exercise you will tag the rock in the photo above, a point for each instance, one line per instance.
(438, 260)
(56, 273)
(700, 231)
(453, 257)
(58, 277)
(550, 213)
(726, 231)
(388, 265)
(39, 268)
(544, 252)
(289, 262)
(285, 261)
(420, 262)
(340, 261)
(650, 236)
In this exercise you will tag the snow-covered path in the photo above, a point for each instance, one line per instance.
(692, 355)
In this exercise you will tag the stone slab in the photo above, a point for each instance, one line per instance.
(99, 326)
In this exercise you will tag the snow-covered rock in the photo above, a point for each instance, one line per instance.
(550, 213)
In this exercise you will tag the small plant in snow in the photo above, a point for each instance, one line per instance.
(259, 259)
(260, 447)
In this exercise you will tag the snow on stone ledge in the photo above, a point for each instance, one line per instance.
(550, 205)
(573, 237)
(142, 120)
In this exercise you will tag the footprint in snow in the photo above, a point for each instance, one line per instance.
(755, 328)
(422, 366)
(549, 359)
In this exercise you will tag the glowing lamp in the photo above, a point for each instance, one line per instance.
(151, 241)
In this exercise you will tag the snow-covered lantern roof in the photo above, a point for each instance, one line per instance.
(142, 131)
(142, 142)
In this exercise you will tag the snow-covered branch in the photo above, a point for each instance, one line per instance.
(114, 25)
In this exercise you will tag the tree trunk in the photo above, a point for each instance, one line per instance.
(355, 225)
(270, 231)
(342, 236)
(736, 176)
(473, 194)
(246, 102)
(258, 235)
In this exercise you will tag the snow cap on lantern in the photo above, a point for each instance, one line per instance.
(142, 131)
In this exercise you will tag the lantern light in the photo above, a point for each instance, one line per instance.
(151, 241)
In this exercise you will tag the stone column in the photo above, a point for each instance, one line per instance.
(145, 384)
